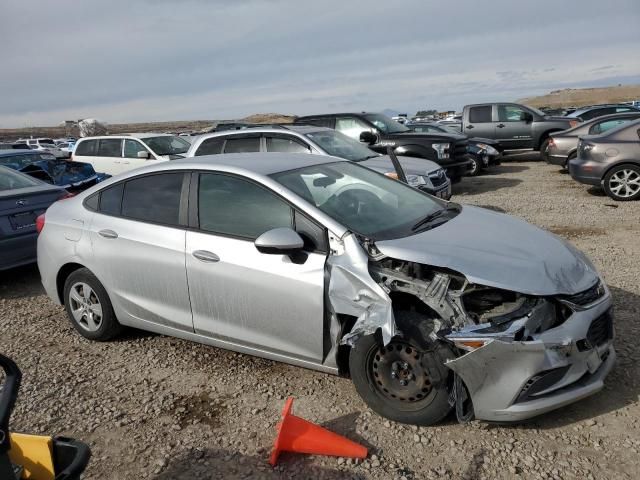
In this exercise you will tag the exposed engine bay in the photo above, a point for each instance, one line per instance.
(510, 355)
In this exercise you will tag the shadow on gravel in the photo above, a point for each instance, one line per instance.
(505, 168)
(596, 191)
(622, 386)
(346, 426)
(218, 463)
(21, 282)
(482, 184)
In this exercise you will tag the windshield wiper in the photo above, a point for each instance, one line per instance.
(434, 215)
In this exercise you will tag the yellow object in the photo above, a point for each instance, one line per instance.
(34, 454)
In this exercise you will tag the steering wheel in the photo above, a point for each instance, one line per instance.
(352, 201)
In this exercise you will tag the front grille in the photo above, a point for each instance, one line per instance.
(587, 296)
(438, 178)
(601, 330)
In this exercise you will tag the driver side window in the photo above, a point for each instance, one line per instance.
(132, 147)
(510, 113)
(351, 127)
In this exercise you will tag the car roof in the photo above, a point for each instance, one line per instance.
(18, 151)
(596, 107)
(339, 114)
(261, 163)
(128, 135)
(301, 129)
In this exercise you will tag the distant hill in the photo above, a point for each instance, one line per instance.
(584, 96)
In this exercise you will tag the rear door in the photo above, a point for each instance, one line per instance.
(480, 122)
(87, 151)
(138, 240)
(512, 131)
(263, 302)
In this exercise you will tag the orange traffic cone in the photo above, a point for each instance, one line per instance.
(298, 435)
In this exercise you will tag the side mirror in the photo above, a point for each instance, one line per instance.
(279, 241)
(143, 154)
(526, 117)
(368, 137)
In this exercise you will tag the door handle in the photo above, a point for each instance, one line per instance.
(206, 256)
(500, 125)
(469, 127)
(108, 234)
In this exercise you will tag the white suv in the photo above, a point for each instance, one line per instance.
(43, 145)
(114, 154)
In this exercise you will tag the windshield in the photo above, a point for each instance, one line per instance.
(385, 124)
(364, 201)
(167, 145)
(339, 145)
(10, 180)
(539, 112)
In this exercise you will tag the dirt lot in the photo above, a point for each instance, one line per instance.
(159, 408)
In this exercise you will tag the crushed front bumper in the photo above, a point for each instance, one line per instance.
(515, 380)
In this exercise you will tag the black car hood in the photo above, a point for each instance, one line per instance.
(60, 172)
(488, 141)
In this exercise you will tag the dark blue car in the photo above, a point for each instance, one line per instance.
(22, 199)
(72, 176)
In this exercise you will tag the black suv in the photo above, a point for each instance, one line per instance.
(381, 132)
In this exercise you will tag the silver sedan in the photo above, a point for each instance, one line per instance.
(326, 264)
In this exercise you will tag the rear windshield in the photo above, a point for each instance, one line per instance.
(18, 162)
(10, 180)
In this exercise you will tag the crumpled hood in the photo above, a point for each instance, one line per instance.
(61, 172)
(498, 250)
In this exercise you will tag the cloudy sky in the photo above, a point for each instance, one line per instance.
(139, 60)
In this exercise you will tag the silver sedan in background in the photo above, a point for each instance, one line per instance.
(323, 263)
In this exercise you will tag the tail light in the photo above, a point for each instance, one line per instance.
(552, 142)
(573, 123)
(66, 195)
(40, 223)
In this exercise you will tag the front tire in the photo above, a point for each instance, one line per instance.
(89, 308)
(622, 183)
(544, 147)
(476, 167)
(398, 382)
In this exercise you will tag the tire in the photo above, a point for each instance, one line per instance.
(433, 404)
(476, 167)
(571, 156)
(543, 150)
(622, 183)
(89, 308)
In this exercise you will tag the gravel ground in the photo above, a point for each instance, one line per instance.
(159, 408)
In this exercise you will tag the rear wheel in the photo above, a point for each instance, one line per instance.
(571, 156)
(89, 308)
(622, 183)
(400, 381)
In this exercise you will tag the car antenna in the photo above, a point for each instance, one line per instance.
(396, 164)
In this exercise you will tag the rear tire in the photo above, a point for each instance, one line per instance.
(622, 183)
(377, 372)
(544, 146)
(571, 156)
(89, 308)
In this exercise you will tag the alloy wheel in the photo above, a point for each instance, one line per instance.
(85, 306)
(625, 183)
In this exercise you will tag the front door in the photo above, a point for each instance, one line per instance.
(512, 131)
(266, 302)
(138, 238)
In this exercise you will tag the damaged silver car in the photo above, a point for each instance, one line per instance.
(427, 305)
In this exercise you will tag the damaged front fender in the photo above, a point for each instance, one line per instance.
(352, 291)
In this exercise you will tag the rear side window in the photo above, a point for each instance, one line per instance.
(87, 147)
(237, 207)
(604, 126)
(210, 146)
(111, 199)
(110, 147)
(154, 198)
(480, 114)
(242, 145)
(286, 145)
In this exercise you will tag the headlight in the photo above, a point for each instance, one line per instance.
(487, 148)
(417, 180)
(442, 149)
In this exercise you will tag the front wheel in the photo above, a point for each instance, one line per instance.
(400, 381)
(622, 183)
(544, 150)
(88, 306)
(475, 167)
